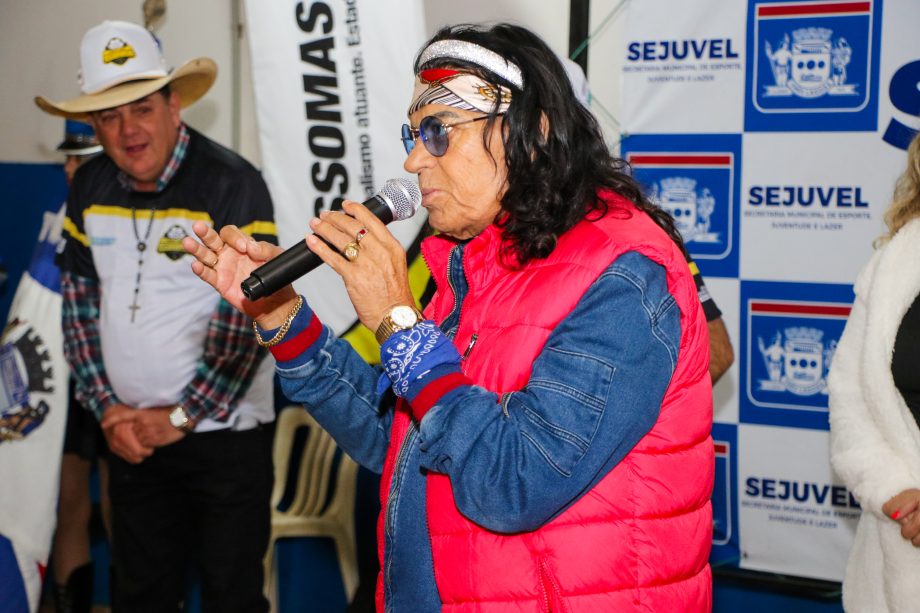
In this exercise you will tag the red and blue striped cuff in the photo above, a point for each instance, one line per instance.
(434, 387)
(303, 339)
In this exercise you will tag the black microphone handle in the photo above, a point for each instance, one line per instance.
(297, 260)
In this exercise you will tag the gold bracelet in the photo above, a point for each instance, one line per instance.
(279, 335)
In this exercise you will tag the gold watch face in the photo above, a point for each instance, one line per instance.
(403, 317)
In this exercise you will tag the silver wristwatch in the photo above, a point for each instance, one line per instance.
(179, 419)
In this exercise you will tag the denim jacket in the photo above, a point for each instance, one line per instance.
(466, 438)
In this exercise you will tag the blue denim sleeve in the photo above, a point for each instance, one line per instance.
(596, 389)
(339, 389)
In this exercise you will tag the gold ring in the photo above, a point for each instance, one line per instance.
(350, 251)
(214, 263)
(360, 235)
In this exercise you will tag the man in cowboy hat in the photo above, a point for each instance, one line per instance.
(175, 376)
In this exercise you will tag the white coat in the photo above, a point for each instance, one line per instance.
(874, 439)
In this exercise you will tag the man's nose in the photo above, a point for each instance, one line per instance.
(128, 124)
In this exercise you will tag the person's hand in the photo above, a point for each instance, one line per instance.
(225, 260)
(905, 509)
(118, 429)
(153, 429)
(151, 426)
(377, 278)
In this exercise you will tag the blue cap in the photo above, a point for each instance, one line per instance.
(79, 139)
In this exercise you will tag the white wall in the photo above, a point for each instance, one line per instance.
(548, 18)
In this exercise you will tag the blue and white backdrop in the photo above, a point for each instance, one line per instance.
(774, 130)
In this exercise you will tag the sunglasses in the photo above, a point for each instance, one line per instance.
(433, 133)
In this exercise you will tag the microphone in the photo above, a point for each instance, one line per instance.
(399, 199)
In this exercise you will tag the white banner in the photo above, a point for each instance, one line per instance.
(678, 54)
(773, 131)
(332, 82)
(796, 517)
(33, 414)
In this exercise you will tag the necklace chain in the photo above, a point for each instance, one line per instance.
(141, 248)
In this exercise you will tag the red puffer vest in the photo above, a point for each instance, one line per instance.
(640, 539)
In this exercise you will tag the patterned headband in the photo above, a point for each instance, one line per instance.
(460, 90)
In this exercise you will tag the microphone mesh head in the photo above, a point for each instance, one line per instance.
(403, 197)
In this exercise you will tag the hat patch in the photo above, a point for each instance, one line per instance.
(117, 51)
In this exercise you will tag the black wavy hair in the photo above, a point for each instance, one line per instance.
(555, 153)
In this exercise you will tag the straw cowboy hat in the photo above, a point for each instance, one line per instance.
(122, 62)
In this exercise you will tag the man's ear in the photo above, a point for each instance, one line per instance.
(175, 106)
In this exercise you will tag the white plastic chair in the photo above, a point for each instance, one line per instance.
(313, 510)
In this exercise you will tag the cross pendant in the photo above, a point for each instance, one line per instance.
(134, 307)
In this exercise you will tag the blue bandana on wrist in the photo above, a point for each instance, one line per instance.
(409, 355)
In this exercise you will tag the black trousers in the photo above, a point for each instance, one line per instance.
(204, 499)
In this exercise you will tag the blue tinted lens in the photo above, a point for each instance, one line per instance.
(408, 138)
(434, 135)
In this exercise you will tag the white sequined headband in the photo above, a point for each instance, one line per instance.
(474, 54)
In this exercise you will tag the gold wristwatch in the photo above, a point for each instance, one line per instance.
(400, 317)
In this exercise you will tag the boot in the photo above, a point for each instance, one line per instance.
(76, 596)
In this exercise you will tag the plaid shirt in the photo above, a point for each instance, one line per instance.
(227, 364)
(224, 370)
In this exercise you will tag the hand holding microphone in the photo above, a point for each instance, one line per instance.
(247, 275)
(399, 199)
